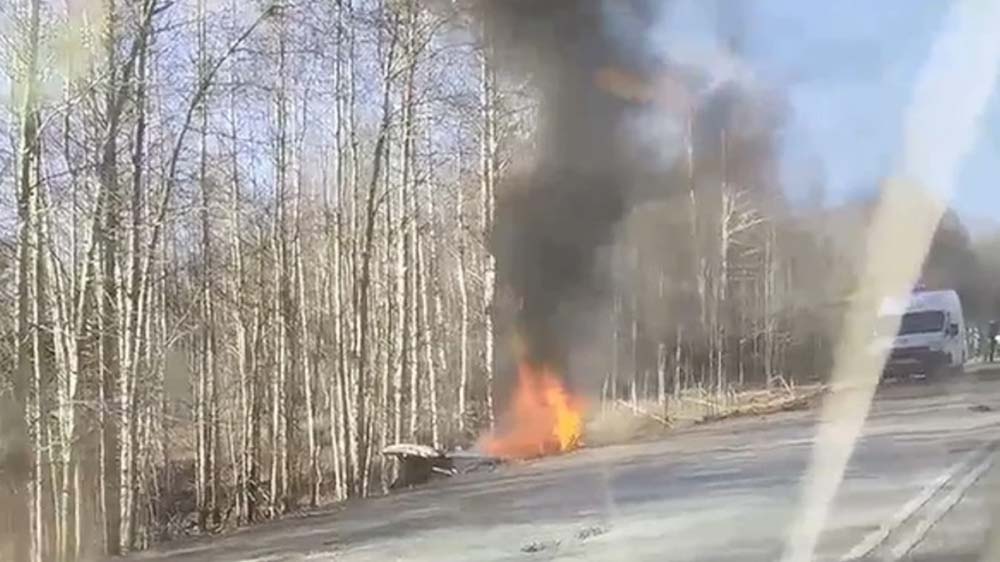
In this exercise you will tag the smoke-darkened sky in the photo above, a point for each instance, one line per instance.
(848, 71)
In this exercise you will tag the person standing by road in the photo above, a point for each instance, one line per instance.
(993, 331)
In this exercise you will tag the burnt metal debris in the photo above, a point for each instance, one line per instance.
(420, 464)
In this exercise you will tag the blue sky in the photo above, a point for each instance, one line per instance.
(847, 70)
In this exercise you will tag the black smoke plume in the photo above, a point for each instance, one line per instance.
(551, 221)
(613, 115)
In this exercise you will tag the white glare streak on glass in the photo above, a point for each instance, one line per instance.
(940, 126)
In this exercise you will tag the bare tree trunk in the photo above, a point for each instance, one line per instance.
(678, 349)
(699, 265)
(65, 354)
(661, 377)
(363, 317)
(257, 397)
(302, 331)
(336, 387)
(40, 343)
(487, 171)
(238, 290)
(616, 337)
(426, 330)
(769, 324)
(634, 328)
(721, 285)
(352, 372)
(392, 359)
(432, 325)
(411, 218)
(277, 393)
(133, 340)
(64, 347)
(15, 448)
(110, 353)
(278, 472)
(463, 325)
(207, 369)
(402, 338)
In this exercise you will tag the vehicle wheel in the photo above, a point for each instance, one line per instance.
(939, 373)
(945, 373)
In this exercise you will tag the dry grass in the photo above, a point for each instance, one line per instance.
(622, 422)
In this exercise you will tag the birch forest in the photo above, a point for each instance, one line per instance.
(246, 244)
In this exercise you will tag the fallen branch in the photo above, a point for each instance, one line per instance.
(783, 403)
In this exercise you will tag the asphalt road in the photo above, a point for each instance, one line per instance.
(916, 489)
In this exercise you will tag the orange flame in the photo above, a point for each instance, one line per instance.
(543, 418)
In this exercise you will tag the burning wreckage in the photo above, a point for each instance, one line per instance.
(598, 79)
(543, 419)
